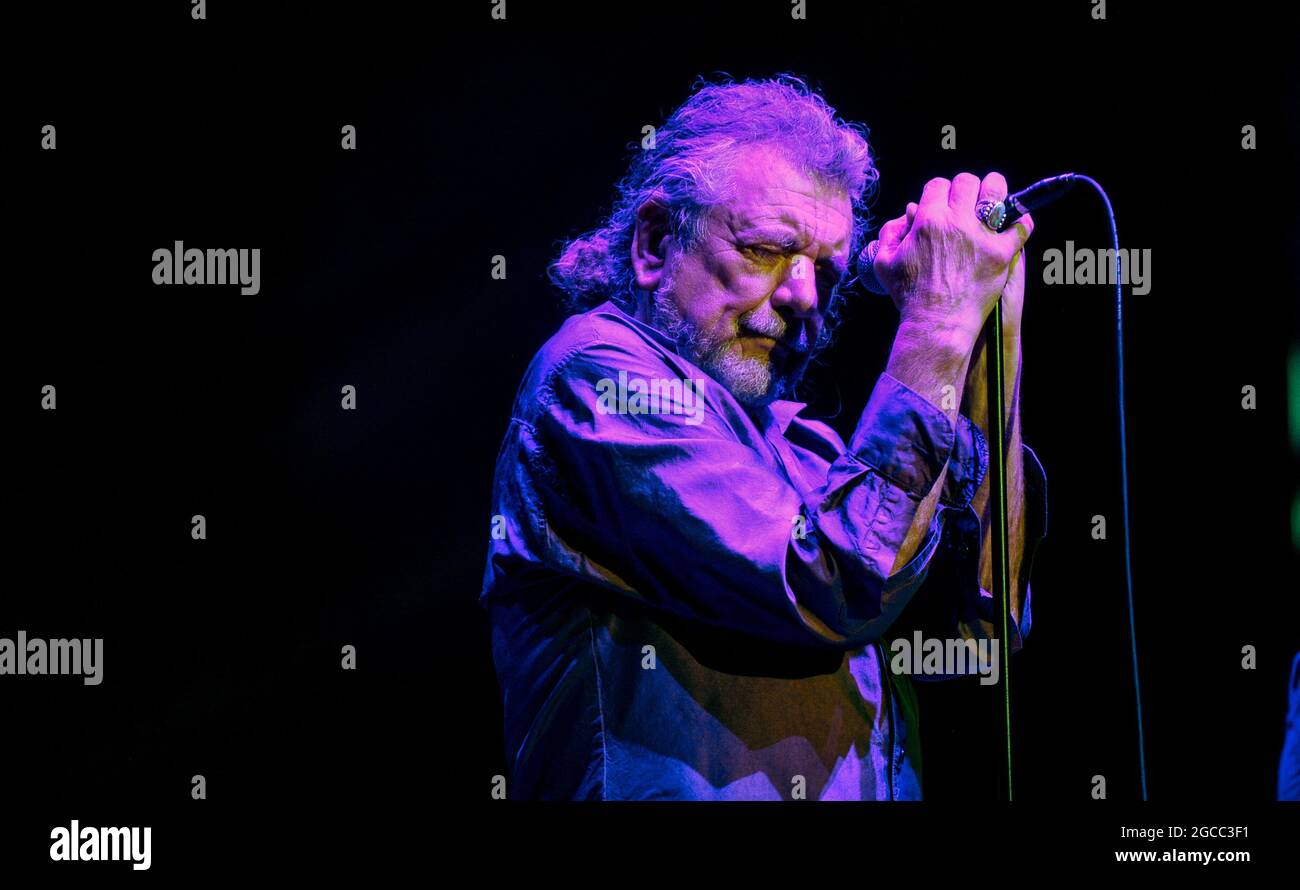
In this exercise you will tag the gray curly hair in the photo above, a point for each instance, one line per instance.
(690, 170)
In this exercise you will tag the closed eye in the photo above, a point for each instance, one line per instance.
(764, 251)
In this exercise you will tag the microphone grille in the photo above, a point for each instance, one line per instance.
(867, 274)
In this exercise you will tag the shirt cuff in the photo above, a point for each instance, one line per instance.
(1035, 485)
(903, 437)
(967, 466)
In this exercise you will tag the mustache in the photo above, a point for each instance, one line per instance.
(793, 336)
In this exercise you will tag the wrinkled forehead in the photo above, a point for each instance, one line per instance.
(770, 193)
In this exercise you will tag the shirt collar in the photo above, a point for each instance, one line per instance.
(782, 411)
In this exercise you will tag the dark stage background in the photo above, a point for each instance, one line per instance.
(369, 527)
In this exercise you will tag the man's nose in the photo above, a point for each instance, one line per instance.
(798, 290)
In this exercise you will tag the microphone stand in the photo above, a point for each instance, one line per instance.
(1001, 544)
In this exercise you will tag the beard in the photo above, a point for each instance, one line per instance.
(752, 381)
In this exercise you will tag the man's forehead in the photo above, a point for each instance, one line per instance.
(772, 194)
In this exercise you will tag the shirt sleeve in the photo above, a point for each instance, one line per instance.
(690, 518)
(952, 604)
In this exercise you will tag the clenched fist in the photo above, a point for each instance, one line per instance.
(944, 268)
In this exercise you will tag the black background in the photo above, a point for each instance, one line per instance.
(369, 528)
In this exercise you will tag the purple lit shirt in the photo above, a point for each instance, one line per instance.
(676, 530)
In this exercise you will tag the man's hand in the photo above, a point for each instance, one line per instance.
(945, 269)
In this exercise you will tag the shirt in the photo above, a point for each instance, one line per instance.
(688, 599)
(1288, 772)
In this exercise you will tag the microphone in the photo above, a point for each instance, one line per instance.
(1001, 215)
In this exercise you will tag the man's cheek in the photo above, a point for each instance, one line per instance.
(742, 281)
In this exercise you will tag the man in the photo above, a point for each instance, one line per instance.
(688, 583)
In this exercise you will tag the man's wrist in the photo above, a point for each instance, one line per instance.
(931, 360)
(947, 341)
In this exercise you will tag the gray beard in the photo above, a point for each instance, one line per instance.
(754, 382)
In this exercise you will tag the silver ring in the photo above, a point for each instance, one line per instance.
(992, 214)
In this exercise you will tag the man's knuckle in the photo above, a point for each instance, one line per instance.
(927, 223)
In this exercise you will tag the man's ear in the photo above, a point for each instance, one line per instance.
(649, 244)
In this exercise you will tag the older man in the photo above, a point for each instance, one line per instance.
(689, 584)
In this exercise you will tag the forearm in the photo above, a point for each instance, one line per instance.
(934, 364)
